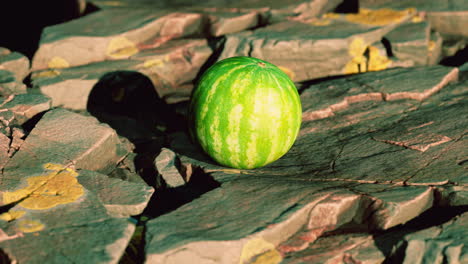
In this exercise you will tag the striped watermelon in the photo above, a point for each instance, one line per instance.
(245, 112)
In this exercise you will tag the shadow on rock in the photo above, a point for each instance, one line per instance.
(129, 103)
(392, 242)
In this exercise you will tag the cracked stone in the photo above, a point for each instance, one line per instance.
(17, 63)
(9, 84)
(307, 51)
(94, 39)
(22, 107)
(339, 174)
(71, 87)
(66, 138)
(168, 165)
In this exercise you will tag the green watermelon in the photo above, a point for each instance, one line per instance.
(245, 112)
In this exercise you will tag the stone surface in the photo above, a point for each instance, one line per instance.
(370, 149)
(72, 216)
(167, 164)
(377, 175)
(18, 109)
(94, 39)
(170, 66)
(334, 45)
(17, 63)
(413, 42)
(9, 84)
(67, 138)
(52, 203)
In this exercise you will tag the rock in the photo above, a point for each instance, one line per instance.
(168, 165)
(332, 46)
(78, 204)
(121, 198)
(412, 42)
(67, 138)
(49, 197)
(9, 84)
(273, 11)
(360, 162)
(440, 243)
(222, 23)
(93, 39)
(447, 17)
(171, 67)
(20, 108)
(17, 63)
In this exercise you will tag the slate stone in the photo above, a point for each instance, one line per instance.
(412, 42)
(49, 198)
(67, 138)
(170, 66)
(345, 248)
(365, 162)
(17, 63)
(9, 84)
(65, 205)
(18, 109)
(121, 198)
(93, 39)
(447, 17)
(167, 165)
(223, 22)
(306, 51)
(272, 10)
(445, 243)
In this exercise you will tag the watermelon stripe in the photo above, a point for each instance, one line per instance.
(245, 114)
(211, 136)
(252, 123)
(289, 111)
(235, 143)
(213, 88)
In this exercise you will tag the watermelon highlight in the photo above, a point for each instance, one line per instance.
(245, 112)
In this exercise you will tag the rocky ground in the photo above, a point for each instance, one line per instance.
(96, 165)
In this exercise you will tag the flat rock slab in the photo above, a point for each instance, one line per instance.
(171, 66)
(415, 44)
(18, 109)
(305, 51)
(272, 10)
(70, 215)
(9, 84)
(93, 38)
(370, 151)
(63, 137)
(448, 17)
(50, 201)
(15, 62)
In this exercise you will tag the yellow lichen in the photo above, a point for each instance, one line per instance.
(270, 257)
(120, 48)
(30, 226)
(58, 63)
(379, 17)
(11, 215)
(46, 74)
(254, 248)
(377, 61)
(153, 63)
(365, 58)
(59, 186)
(431, 46)
(417, 19)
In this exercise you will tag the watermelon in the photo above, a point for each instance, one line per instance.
(245, 112)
